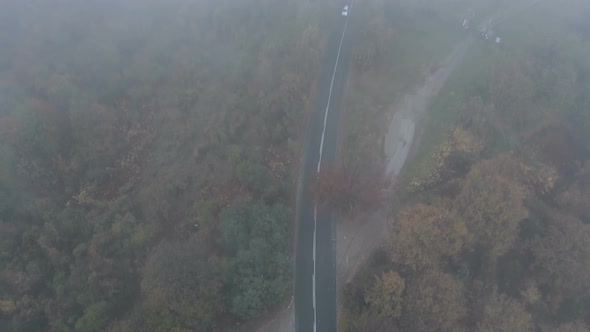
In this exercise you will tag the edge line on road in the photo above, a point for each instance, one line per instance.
(330, 94)
(315, 219)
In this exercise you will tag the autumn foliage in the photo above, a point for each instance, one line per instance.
(493, 228)
(347, 190)
(134, 137)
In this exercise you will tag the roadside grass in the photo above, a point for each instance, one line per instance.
(423, 35)
(462, 83)
(470, 79)
(420, 41)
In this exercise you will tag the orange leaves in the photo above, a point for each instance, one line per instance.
(424, 235)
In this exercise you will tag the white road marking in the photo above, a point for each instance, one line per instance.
(330, 95)
(315, 218)
(315, 224)
(315, 210)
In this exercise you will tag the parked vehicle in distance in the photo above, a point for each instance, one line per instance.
(345, 11)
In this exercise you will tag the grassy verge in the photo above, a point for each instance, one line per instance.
(442, 114)
(471, 79)
(409, 44)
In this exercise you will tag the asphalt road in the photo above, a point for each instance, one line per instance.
(315, 264)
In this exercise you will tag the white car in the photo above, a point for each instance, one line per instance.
(345, 11)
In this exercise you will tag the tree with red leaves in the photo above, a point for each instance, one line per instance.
(350, 190)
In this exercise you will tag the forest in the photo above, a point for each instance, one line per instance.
(490, 226)
(148, 156)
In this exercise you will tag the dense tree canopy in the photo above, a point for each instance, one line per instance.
(129, 133)
(254, 233)
(503, 314)
(435, 300)
(385, 297)
(183, 283)
(424, 236)
(562, 255)
(493, 208)
(489, 223)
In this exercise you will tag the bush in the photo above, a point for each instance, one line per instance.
(256, 235)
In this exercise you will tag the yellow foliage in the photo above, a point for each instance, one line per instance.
(435, 302)
(530, 177)
(504, 314)
(438, 158)
(385, 297)
(493, 208)
(83, 197)
(460, 140)
(531, 294)
(424, 234)
(7, 306)
(466, 142)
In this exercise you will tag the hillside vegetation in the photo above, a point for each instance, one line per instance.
(147, 159)
(491, 221)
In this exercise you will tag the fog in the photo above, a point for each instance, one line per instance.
(291, 165)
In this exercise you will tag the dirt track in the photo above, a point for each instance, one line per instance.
(411, 110)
